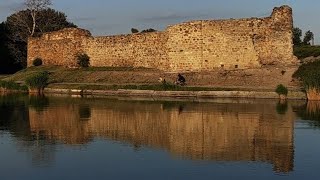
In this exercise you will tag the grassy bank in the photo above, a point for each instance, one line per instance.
(114, 78)
(10, 86)
(3, 76)
(109, 75)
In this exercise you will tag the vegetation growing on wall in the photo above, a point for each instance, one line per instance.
(282, 90)
(148, 30)
(134, 30)
(83, 60)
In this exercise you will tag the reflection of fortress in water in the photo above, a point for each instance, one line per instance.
(209, 131)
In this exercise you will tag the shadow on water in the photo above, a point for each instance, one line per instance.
(227, 131)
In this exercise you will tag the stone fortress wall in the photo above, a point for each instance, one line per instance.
(202, 45)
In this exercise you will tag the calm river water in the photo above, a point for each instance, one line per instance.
(95, 138)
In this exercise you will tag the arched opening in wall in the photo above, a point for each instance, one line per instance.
(236, 66)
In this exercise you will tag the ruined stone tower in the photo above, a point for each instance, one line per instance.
(203, 45)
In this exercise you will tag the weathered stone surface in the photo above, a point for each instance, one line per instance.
(203, 45)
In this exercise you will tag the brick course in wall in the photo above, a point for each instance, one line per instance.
(203, 45)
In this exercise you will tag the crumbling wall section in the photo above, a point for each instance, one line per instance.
(272, 38)
(232, 44)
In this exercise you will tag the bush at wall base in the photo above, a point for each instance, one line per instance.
(83, 60)
(282, 91)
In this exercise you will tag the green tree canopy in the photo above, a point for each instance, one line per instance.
(297, 34)
(308, 37)
(148, 30)
(19, 27)
(7, 65)
(134, 30)
(48, 20)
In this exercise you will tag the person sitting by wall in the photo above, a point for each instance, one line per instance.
(181, 80)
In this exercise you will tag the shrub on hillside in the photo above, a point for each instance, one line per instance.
(304, 51)
(83, 60)
(38, 81)
(37, 62)
(309, 74)
(148, 30)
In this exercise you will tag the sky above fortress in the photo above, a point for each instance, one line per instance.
(109, 17)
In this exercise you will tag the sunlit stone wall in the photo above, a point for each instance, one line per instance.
(192, 46)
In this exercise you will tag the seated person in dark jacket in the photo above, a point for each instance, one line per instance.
(181, 80)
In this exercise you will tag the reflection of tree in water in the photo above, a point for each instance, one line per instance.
(174, 105)
(39, 103)
(84, 112)
(14, 119)
(310, 111)
(282, 107)
(14, 116)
